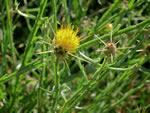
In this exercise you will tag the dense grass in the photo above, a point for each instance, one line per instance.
(89, 82)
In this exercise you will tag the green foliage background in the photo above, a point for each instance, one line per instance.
(31, 82)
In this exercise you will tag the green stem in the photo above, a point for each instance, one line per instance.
(125, 30)
(32, 36)
(9, 36)
(9, 31)
(41, 81)
(55, 15)
(64, 4)
(109, 11)
(57, 88)
(82, 70)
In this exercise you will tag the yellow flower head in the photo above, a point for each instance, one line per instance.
(67, 39)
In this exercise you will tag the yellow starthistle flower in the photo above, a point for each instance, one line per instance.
(66, 40)
(65, 43)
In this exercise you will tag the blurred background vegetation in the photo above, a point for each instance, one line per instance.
(121, 86)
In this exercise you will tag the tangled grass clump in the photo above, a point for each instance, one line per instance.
(90, 83)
